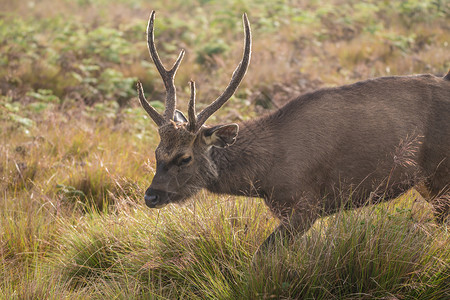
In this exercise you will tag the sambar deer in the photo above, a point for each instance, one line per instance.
(373, 139)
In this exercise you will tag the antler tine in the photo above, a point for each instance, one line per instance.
(236, 78)
(191, 108)
(166, 75)
(156, 117)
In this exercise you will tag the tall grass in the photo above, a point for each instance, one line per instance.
(205, 250)
(373, 254)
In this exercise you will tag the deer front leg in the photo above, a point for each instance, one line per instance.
(439, 198)
(294, 222)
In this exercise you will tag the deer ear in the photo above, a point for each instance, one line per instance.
(221, 136)
(179, 117)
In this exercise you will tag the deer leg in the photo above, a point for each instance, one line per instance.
(441, 207)
(439, 198)
(293, 223)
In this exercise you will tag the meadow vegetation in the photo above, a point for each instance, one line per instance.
(76, 151)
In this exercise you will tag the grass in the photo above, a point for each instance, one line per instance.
(76, 152)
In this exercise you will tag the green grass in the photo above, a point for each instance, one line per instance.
(76, 151)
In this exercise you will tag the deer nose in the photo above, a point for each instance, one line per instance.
(155, 198)
(151, 200)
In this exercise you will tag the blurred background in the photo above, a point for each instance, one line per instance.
(92, 51)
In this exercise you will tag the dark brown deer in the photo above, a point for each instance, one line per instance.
(374, 140)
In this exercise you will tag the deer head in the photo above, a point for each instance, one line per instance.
(183, 162)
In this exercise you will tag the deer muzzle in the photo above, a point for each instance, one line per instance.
(156, 198)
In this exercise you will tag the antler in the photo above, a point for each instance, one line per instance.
(191, 108)
(236, 79)
(159, 120)
(195, 121)
(167, 77)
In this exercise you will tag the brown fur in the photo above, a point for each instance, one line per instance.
(374, 140)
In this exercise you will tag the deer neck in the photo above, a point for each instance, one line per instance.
(242, 166)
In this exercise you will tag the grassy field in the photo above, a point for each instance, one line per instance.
(76, 151)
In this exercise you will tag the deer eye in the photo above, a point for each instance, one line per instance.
(185, 160)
